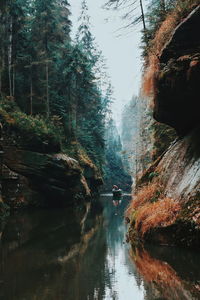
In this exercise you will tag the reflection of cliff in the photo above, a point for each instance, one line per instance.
(51, 252)
(166, 273)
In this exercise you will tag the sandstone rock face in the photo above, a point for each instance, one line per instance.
(171, 213)
(179, 169)
(178, 81)
(177, 103)
(179, 177)
(57, 177)
(177, 182)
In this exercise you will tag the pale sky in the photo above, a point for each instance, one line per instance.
(122, 53)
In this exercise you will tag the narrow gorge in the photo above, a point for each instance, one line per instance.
(99, 150)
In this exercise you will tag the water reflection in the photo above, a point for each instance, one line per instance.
(125, 281)
(168, 273)
(50, 255)
(41, 255)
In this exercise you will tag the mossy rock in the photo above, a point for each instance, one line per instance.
(4, 212)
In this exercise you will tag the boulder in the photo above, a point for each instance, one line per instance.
(56, 177)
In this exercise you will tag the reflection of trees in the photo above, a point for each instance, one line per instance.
(44, 256)
(163, 273)
(92, 274)
(114, 215)
(115, 237)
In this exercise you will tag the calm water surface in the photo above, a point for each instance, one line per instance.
(43, 256)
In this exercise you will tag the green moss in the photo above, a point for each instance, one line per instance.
(152, 175)
(38, 134)
(133, 218)
(163, 137)
(189, 208)
(32, 130)
(156, 197)
(4, 211)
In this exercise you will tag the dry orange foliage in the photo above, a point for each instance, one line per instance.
(161, 213)
(149, 78)
(162, 36)
(144, 195)
(163, 280)
(154, 270)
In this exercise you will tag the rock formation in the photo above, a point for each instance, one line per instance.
(177, 98)
(45, 178)
(167, 206)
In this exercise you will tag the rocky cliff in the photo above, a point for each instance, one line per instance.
(166, 207)
(41, 175)
(177, 87)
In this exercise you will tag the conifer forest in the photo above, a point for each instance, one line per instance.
(99, 149)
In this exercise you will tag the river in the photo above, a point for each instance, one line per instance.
(43, 257)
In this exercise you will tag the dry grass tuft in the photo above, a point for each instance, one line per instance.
(163, 34)
(149, 209)
(150, 75)
(144, 195)
(151, 215)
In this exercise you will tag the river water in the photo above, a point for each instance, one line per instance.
(44, 257)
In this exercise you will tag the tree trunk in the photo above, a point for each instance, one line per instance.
(142, 14)
(0, 83)
(3, 62)
(10, 57)
(31, 96)
(71, 115)
(74, 108)
(13, 81)
(47, 89)
(66, 117)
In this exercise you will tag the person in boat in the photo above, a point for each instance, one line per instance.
(116, 191)
(115, 188)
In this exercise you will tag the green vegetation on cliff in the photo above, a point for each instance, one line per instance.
(51, 94)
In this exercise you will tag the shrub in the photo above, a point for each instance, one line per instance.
(151, 215)
(33, 130)
(146, 194)
(41, 129)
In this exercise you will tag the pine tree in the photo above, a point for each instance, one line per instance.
(13, 44)
(49, 35)
(49, 75)
(156, 13)
(84, 36)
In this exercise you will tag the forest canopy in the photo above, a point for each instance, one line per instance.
(50, 77)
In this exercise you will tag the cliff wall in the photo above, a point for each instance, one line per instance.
(166, 206)
(35, 172)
